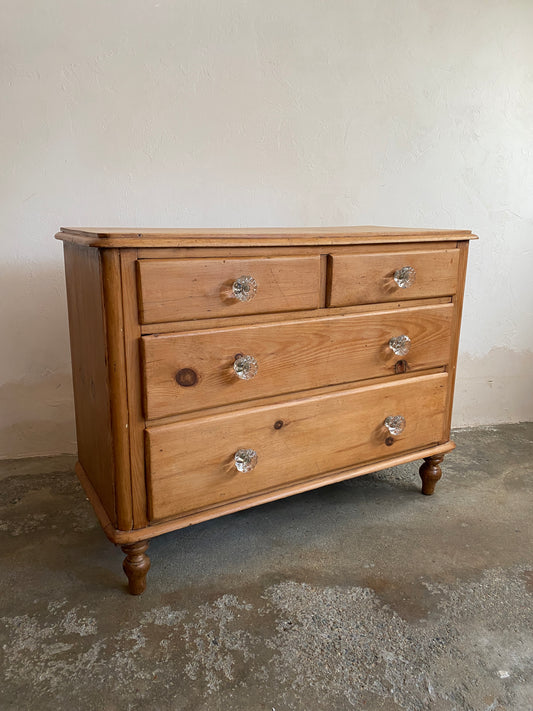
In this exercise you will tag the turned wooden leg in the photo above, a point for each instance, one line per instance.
(430, 472)
(136, 565)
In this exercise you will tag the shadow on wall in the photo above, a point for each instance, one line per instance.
(36, 401)
(494, 388)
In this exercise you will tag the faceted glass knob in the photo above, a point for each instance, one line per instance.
(400, 345)
(244, 288)
(405, 277)
(245, 459)
(395, 424)
(246, 367)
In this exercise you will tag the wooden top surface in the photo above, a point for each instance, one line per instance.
(250, 237)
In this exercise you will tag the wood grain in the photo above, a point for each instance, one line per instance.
(132, 332)
(254, 319)
(275, 399)
(188, 289)
(305, 236)
(456, 332)
(88, 349)
(369, 278)
(319, 328)
(292, 356)
(190, 464)
(159, 528)
(286, 250)
(340, 231)
(118, 399)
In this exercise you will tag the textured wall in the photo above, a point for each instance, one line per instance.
(287, 112)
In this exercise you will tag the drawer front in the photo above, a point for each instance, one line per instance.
(370, 278)
(191, 464)
(189, 371)
(184, 289)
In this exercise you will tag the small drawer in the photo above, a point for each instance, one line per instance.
(203, 463)
(184, 289)
(189, 371)
(392, 276)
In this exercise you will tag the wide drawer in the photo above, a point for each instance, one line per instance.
(183, 289)
(191, 464)
(189, 371)
(392, 276)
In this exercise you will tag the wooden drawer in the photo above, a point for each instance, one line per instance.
(183, 289)
(191, 464)
(369, 278)
(193, 370)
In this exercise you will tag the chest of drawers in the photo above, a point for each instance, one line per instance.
(215, 370)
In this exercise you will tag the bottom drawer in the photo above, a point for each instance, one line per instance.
(191, 464)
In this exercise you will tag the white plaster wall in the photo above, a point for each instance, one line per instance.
(246, 112)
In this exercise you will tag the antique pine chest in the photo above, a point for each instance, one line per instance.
(215, 370)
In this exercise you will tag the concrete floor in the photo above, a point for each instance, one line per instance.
(361, 595)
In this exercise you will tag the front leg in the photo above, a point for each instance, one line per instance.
(136, 565)
(430, 472)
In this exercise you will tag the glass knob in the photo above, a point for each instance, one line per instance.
(246, 367)
(395, 424)
(244, 288)
(245, 459)
(400, 345)
(405, 277)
